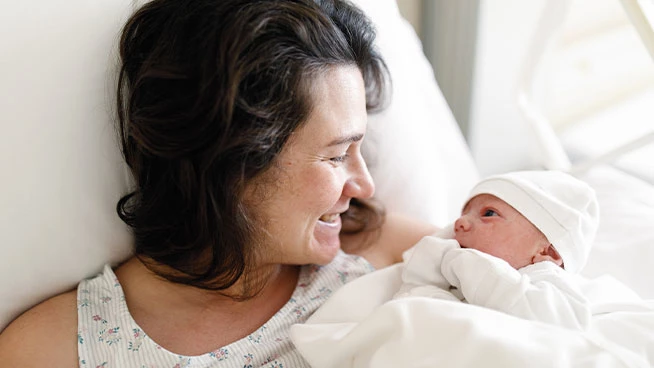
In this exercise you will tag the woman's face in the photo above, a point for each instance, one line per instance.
(299, 201)
(490, 225)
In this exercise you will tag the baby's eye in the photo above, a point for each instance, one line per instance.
(489, 213)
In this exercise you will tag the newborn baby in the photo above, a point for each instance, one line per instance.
(519, 239)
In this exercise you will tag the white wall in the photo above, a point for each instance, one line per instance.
(448, 31)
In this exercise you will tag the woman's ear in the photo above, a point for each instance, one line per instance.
(548, 253)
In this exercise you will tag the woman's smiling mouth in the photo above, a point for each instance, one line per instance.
(330, 218)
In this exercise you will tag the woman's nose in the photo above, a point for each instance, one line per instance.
(462, 224)
(360, 184)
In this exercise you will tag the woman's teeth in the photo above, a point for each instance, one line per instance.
(329, 218)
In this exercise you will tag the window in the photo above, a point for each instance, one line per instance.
(596, 88)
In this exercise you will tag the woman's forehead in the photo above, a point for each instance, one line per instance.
(339, 111)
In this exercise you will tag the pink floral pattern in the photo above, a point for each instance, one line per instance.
(108, 336)
(220, 354)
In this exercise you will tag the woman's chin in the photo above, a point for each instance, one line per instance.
(326, 240)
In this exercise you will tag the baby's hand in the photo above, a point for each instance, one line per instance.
(422, 265)
(470, 264)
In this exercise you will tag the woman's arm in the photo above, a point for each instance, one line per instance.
(44, 336)
(399, 233)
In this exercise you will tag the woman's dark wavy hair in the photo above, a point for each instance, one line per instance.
(209, 92)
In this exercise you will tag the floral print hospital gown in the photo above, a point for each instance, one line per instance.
(108, 336)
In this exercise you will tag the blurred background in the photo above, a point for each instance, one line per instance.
(544, 83)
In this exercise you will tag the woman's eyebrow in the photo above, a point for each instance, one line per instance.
(348, 139)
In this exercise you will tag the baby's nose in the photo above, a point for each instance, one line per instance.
(461, 224)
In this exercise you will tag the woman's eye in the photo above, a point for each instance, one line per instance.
(339, 158)
(489, 213)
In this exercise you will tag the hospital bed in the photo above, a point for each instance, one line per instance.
(63, 174)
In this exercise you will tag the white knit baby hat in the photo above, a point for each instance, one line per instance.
(562, 207)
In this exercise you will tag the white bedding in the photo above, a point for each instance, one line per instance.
(624, 246)
(360, 326)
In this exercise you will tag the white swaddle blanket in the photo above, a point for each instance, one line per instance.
(362, 326)
(439, 268)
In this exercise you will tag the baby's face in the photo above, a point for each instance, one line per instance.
(490, 225)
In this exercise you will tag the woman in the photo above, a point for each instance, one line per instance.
(242, 123)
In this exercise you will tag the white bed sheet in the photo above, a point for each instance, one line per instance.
(624, 246)
(360, 326)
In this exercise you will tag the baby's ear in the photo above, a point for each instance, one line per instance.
(548, 253)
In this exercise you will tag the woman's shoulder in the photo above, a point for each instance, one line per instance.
(399, 233)
(44, 335)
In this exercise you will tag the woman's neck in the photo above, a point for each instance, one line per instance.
(190, 312)
(262, 281)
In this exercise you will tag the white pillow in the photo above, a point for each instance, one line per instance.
(418, 156)
(63, 173)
